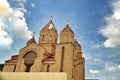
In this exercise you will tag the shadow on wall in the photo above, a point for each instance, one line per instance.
(1, 67)
(1, 77)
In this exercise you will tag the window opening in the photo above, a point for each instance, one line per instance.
(29, 59)
(48, 67)
(50, 37)
(43, 37)
(62, 59)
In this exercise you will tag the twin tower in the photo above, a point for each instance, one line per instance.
(49, 34)
(49, 56)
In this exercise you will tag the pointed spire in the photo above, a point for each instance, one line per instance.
(67, 33)
(67, 28)
(50, 25)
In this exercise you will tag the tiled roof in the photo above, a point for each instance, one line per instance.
(50, 56)
(49, 59)
(13, 59)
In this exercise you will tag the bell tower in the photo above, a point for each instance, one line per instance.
(48, 34)
(48, 37)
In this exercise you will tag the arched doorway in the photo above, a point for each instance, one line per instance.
(29, 59)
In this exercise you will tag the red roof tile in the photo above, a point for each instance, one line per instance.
(49, 59)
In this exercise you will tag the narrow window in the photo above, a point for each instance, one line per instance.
(43, 37)
(62, 59)
(56, 40)
(73, 63)
(48, 68)
(14, 68)
(73, 54)
(50, 37)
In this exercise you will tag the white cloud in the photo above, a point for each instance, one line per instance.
(33, 5)
(97, 60)
(5, 40)
(19, 25)
(21, 5)
(119, 66)
(112, 67)
(94, 71)
(14, 20)
(97, 46)
(4, 7)
(112, 30)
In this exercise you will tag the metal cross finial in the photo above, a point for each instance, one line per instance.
(67, 21)
(33, 34)
(51, 18)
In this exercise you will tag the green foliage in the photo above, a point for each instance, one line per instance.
(1, 67)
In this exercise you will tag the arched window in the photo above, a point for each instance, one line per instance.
(50, 37)
(62, 59)
(43, 37)
(29, 59)
(56, 40)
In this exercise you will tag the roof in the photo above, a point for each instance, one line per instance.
(32, 40)
(49, 26)
(67, 28)
(49, 59)
(13, 59)
(50, 56)
(76, 43)
(15, 56)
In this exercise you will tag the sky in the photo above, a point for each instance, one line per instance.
(96, 25)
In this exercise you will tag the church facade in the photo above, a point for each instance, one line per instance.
(49, 56)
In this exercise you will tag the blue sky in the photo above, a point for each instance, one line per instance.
(96, 24)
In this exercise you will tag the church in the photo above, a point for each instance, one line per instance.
(47, 55)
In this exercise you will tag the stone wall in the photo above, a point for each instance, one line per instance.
(33, 76)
